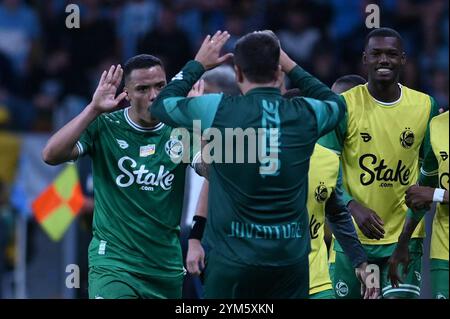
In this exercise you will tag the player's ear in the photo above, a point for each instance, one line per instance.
(403, 58)
(126, 91)
(364, 58)
(239, 74)
(279, 77)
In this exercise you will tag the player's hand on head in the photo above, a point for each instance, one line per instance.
(198, 89)
(104, 98)
(286, 63)
(209, 53)
(369, 289)
(419, 197)
(195, 258)
(370, 224)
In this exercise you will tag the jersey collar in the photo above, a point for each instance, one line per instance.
(264, 90)
(139, 128)
(388, 103)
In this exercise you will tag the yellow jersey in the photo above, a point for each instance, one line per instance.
(322, 177)
(439, 142)
(380, 145)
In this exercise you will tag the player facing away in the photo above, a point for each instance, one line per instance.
(324, 202)
(433, 188)
(257, 228)
(138, 186)
(381, 138)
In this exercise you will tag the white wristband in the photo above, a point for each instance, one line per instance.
(438, 195)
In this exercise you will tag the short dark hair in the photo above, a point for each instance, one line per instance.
(351, 79)
(141, 61)
(257, 54)
(384, 32)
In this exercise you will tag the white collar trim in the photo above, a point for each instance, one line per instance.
(389, 103)
(139, 128)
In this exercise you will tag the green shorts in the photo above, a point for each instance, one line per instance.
(439, 278)
(326, 294)
(228, 280)
(114, 283)
(347, 286)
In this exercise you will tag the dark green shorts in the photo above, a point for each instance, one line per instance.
(114, 283)
(439, 278)
(326, 294)
(347, 286)
(227, 280)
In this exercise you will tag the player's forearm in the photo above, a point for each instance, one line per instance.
(310, 86)
(60, 147)
(179, 86)
(409, 227)
(202, 204)
(341, 225)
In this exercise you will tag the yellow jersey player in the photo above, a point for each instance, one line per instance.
(380, 140)
(433, 188)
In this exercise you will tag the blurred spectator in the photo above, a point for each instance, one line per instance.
(439, 87)
(299, 37)
(168, 42)
(137, 18)
(19, 33)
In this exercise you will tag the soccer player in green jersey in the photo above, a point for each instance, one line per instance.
(433, 188)
(382, 136)
(138, 184)
(257, 228)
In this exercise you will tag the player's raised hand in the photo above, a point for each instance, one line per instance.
(198, 89)
(370, 224)
(209, 53)
(287, 64)
(104, 99)
(195, 258)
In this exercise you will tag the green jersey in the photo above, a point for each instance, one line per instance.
(257, 211)
(138, 194)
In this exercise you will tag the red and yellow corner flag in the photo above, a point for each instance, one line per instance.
(56, 207)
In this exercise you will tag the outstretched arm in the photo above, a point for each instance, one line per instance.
(61, 147)
(173, 108)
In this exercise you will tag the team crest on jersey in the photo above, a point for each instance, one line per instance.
(321, 193)
(341, 289)
(174, 148)
(147, 150)
(407, 138)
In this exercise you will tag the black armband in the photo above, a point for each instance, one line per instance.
(198, 227)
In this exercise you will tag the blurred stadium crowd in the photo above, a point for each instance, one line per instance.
(46, 67)
(48, 71)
